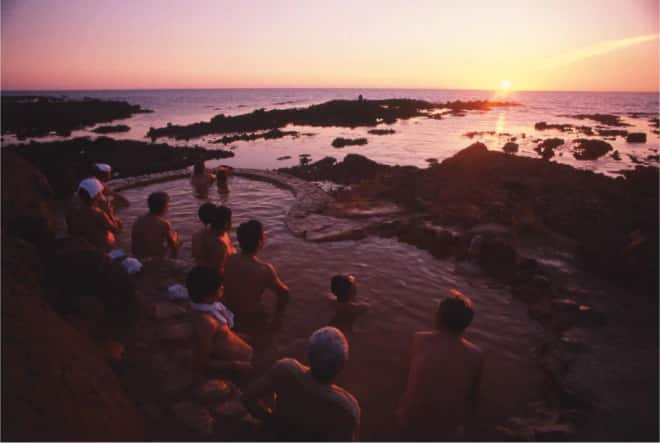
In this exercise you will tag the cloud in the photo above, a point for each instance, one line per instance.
(594, 50)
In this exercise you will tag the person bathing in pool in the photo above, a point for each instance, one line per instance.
(444, 377)
(152, 235)
(201, 179)
(211, 245)
(216, 345)
(86, 219)
(247, 278)
(347, 309)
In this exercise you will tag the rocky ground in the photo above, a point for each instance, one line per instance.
(35, 116)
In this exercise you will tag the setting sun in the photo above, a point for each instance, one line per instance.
(506, 84)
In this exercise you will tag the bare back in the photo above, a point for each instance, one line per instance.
(444, 376)
(246, 279)
(150, 236)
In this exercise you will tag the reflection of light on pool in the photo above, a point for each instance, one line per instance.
(499, 125)
(401, 284)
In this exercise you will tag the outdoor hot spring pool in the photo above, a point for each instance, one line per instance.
(402, 285)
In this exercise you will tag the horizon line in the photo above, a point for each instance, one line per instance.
(2, 90)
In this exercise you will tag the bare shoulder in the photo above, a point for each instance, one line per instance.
(204, 323)
(474, 351)
(348, 401)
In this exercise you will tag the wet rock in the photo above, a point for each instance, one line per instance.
(214, 390)
(107, 129)
(546, 148)
(605, 119)
(284, 157)
(542, 126)
(267, 135)
(589, 149)
(473, 134)
(35, 116)
(636, 137)
(381, 131)
(616, 155)
(194, 417)
(340, 142)
(510, 147)
(612, 132)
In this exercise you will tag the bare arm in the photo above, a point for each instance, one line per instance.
(172, 239)
(276, 285)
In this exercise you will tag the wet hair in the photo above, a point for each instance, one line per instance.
(249, 234)
(202, 282)
(455, 312)
(157, 202)
(199, 167)
(221, 219)
(327, 353)
(341, 285)
(205, 212)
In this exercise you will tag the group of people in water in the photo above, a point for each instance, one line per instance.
(226, 290)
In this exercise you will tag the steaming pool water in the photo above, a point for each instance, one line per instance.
(402, 286)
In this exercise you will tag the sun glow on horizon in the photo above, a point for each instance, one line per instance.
(506, 85)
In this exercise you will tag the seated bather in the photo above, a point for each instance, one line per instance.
(216, 344)
(201, 180)
(211, 245)
(222, 175)
(103, 172)
(87, 220)
(152, 235)
(444, 377)
(247, 278)
(307, 406)
(347, 309)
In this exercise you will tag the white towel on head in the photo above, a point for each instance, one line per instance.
(217, 310)
(103, 167)
(116, 253)
(92, 185)
(132, 265)
(177, 292)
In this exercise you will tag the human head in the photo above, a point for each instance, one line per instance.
(343, 287)
(221, 219)
(203, 284)
(455, 312)
(199, 167)
(89, 190)
(205, 213)
(327, 352)
(250, 236)
(103, 171)
(158, 203)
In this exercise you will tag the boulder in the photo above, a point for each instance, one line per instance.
(510, 147)
(589, 149)
(636, 137)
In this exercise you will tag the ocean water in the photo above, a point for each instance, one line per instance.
(415, 140)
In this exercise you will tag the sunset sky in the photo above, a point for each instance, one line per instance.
(536, 45)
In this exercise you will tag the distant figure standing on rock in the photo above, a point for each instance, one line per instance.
(444, 377)
(201, 179)
(211, 246)
(85, 218)
(216, 344)
(308, 406)
(246, 279)
(360, 98)
(152, 235)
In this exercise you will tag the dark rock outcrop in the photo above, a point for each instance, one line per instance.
(33, 116)
(107, 129)
(605, 119)
(510, 148)
(340, 142)
(636, 137)
(342, 113)
(546, 148)
(381, 131)
(268, 135)
(588, 149)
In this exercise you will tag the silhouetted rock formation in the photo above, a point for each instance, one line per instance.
(272, 134)
(605, 119)
(546, 148)
(32, 116)
(111, 128)
(636, 137)
(340, 142)
(564, 127)
(510, 148)
(381, 131)
(587, 149)
(612, 132)
(65, 163)
(343, 113)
